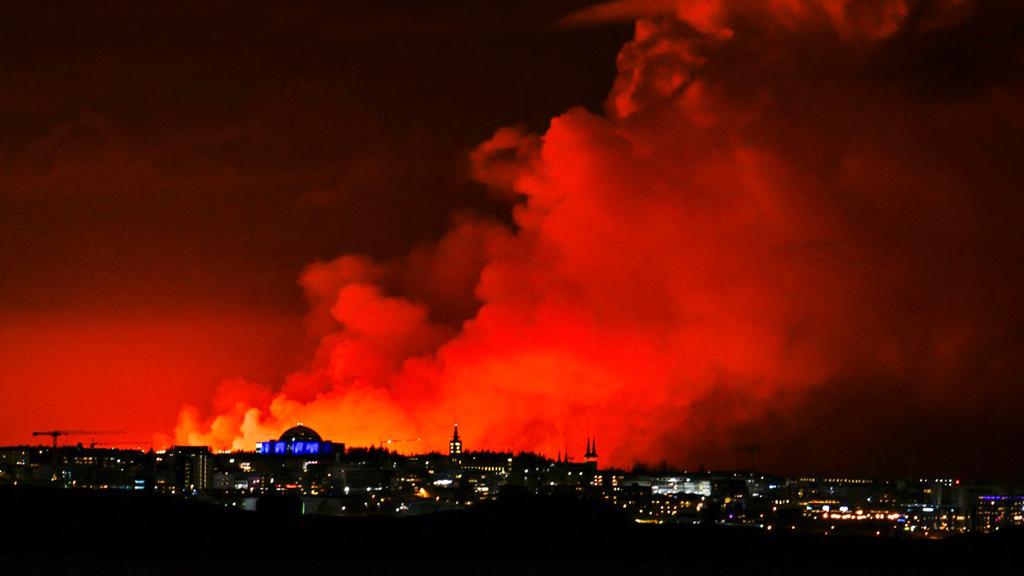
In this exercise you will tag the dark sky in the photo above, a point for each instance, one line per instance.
(205, 153)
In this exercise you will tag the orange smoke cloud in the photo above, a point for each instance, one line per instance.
(777, 221)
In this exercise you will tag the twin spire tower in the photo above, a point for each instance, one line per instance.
(591, 454)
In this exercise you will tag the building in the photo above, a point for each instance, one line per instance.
(191, 468)
(590, 456)
(455, 445)
(995, 512)
(300, 440)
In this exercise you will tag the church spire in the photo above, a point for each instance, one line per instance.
(591, 455)
(455, 445)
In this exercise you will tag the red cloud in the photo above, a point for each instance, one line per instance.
(784, 216)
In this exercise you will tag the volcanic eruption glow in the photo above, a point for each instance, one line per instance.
(792, 222)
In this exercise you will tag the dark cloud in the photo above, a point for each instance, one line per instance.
(240, 141)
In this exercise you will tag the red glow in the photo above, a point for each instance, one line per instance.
(124, 371)
(723, 245)
(789, 241)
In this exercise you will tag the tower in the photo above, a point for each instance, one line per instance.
(455, 445)
(591, 455)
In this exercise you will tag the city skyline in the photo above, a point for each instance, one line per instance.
(301, 473)
(452, 446)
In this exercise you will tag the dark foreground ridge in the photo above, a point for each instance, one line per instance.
(74, 531)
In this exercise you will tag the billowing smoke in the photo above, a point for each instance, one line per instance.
(791, 241)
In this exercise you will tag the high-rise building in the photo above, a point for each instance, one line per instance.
(191, 467)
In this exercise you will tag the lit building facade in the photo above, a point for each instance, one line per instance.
(995, 512)
(191, 468)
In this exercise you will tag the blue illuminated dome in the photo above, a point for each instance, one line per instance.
(300, 433)
(299, 441)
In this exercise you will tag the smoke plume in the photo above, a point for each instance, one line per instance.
(791, 241)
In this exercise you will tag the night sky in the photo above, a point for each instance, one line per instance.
(772, 234)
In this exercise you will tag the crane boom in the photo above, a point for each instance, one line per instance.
(55, 434)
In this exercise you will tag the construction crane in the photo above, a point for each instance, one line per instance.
(55, 434)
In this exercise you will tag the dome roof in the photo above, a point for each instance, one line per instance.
(300, 433)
